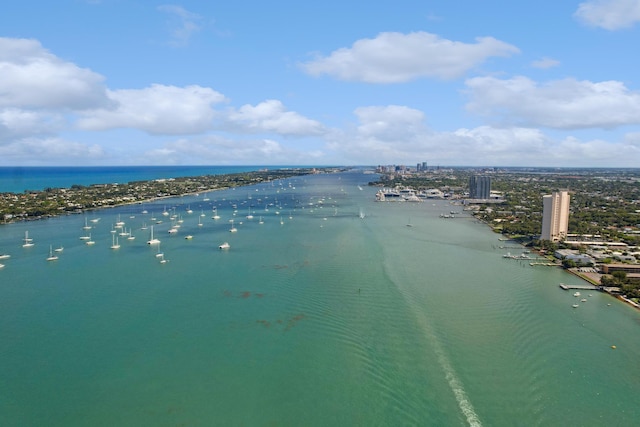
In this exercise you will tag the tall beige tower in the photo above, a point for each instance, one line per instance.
(555, 216)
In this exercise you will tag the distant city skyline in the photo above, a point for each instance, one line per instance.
(530, 84)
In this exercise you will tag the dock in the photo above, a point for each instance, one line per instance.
(582, 287)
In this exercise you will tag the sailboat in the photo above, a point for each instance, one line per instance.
(232, 229)
(28, 242)
(151, 240)
(51, 256)
(159, 254)
(89, 241)
(215, 214)
(115, 244)
(131, 236)
(260, 221)
(86, 225)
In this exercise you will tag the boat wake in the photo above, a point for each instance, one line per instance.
(452, 378)
(461, 396)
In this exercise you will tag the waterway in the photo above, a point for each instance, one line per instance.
(315, 317)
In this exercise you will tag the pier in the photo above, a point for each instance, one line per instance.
(582, 287)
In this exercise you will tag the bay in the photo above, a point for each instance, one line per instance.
(315, 317)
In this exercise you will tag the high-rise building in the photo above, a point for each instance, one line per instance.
(555, 216)
(479, 187)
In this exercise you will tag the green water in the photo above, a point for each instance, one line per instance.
(326, 319)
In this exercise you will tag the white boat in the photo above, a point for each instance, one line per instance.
(115, 243)
(51, 256)
(86, 225)
(189, 211)
(1, 265)
(188, 237)
(94, 220)
(232, 229)
(131, 236)
(575, 306)
(260, 221)
(152, 240)
(225, 245)
(215, 214)
(5, 256)
(90, 242)
(162, 260)
(159, 254)
(199, 222)
(120, 223)
(28, 242)
(577, 294)
(59, 249)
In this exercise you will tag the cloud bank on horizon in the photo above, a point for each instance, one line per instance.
(188, 89)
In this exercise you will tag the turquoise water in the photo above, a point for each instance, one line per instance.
(16, 179)
(325, 319)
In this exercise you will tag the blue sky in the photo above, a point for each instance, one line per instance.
(490, 83)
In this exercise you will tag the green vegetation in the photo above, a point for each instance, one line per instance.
(57, 201)
(604, 202)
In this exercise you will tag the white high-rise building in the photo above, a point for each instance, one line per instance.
(555, 216)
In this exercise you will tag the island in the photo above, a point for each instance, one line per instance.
(50, 202)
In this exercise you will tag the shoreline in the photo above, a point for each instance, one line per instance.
(584, 277)
(51, 203)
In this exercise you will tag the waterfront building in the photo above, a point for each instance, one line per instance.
(555, 216)
(479, 187)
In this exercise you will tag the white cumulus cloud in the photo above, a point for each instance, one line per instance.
(381, 133)
(17, 123)
(560, 104)
(271, 116)
(31, 77)
(49, 151)
(609, 14)
(216, 149)
(157, 109)
(394, 57)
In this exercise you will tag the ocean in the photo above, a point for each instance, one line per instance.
(36, 178)
(316, 315)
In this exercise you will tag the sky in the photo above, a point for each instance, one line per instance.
(349, 82)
